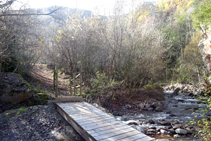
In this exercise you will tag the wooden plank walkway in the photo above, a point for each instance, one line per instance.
(95, 125)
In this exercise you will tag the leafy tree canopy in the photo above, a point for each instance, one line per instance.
(201, 13)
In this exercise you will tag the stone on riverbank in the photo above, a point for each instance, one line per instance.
(13, 88)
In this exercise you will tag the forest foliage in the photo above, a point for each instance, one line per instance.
(153, 42)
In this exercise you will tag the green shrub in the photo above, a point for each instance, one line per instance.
(158, 83)
(21, 111)
(10, 112)
(19, 75)
(27, 84)
(43, 96)
(151, 87)
(205, 122)
(102, 84)
(37, 89)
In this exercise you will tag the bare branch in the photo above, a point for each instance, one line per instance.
(7, 3)
(29, 14)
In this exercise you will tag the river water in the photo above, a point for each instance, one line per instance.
(178, 109)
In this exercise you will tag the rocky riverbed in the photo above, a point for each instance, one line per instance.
(170, 121)
(36, 123)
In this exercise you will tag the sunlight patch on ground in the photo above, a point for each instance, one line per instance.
(56, 134)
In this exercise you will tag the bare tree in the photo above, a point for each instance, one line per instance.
(20, 38)
(121, 45)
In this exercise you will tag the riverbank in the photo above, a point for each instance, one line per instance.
(40, 122)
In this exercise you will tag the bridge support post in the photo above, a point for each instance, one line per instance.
(55, 81)
(74, 84)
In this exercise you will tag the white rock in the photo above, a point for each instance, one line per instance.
(163, 131)
(130, 121)
(181, 131)
(176, 136)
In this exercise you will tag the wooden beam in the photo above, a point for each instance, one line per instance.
(71, 92)
(74, 84)
(80, 84)
(68, 99)
(56, 81)
(75, 77)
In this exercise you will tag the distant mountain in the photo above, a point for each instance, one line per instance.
(70, 11)
(63, 11)
(62, 14)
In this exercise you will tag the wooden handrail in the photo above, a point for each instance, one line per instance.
(78, 86)
(72, 80)
(55, 83)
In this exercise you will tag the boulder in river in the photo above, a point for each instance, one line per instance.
(164, 132)
(151, 121)
(176, 91)
(151, 132)
(152, 104)
(163, 122)
(131, 122)
(181, 131)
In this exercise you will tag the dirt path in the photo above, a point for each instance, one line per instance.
(41, 80)
(43, 77)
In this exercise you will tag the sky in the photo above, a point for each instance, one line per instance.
(100, 6)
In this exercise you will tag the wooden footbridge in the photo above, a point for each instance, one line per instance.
(95, 125)
(91, 123)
